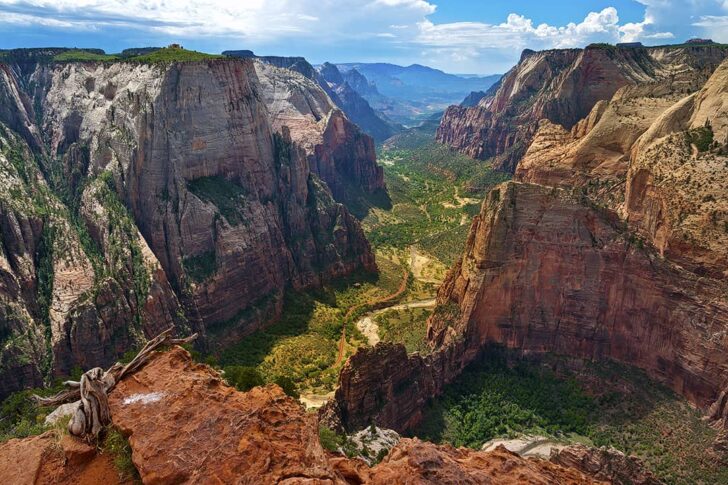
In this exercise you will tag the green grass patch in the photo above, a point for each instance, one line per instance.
(407, 327)
(604, 404)
(174, 54)
(80, 55)
(227, 196)
(118, 447)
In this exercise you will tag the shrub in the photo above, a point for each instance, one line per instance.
(288, 386)
(243, 378)
(200, 267)
(118, 447)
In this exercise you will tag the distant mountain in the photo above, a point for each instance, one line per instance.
(409, 94)
(355, 106)
(473, 99)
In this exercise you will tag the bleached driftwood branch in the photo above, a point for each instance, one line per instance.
(92, 390)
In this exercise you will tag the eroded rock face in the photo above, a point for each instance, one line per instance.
(186, 426)
(46, 459)
(677, 183)
(337, 151)
(330, 80)
(609, 465)
(385, 386)
(543, 272)
(173, 200)
(563, 86)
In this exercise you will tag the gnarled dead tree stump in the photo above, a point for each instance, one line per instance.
(92, 391)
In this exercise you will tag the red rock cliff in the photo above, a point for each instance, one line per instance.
(561, 86)
(172, 198)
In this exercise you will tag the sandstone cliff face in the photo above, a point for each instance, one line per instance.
(677, 182)
(337, 151)
(342, 95)
(175, 199)
(563, 86)
(544, 272)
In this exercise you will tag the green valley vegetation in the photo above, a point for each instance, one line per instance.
(435, 193)
(407, 326)
(603, 404)
(303, 345)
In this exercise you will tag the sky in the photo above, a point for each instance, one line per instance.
(460, 36)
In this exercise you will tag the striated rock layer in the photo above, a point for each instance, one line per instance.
(164, 194)
(339, 90)
(563, 86)
(336, 150)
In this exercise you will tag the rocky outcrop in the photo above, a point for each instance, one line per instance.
(606, 464)
(676, 192)
(49, 458)
(413, 461)
(563, 86)
(185, 425)
(343, 96)
(171, 198)
(359, 83)
(597, 148)
(337, 151)
(473, 99)
(355, 106)
(365, 396)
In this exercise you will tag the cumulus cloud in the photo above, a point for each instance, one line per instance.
(520, 31)
(402, 26)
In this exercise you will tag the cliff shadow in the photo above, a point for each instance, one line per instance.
(360, 203)
(600, 403)
(302, 345)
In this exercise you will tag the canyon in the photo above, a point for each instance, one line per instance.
(143, 195)
(608, 245)
(138, 195)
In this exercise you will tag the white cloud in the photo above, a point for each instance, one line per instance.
(520, 31)
(403, 27)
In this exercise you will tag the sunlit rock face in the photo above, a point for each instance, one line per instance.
(563, 86)
(176, 198)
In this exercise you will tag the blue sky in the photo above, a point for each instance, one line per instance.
(463, 36)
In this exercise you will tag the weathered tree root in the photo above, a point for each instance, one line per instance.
(92, 390)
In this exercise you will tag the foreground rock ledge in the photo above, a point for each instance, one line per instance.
(185, 425)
